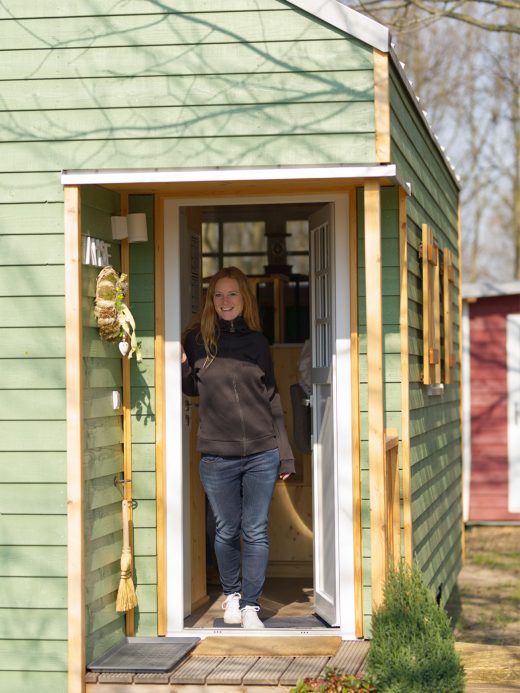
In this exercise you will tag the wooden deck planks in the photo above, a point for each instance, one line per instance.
(195, 670)
(267, 671)
(245, 670)
(231, 670)
(351, 657)
(302, 667)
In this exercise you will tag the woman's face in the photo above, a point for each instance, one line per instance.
(227, 300)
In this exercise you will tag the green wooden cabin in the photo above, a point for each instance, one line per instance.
(281, 136)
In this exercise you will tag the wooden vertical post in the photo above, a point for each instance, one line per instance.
(356, 437)
(405, 379)
(376, 433)
(447, 281)
(393, 525)
(127, 410)
(461, 383)
(382, 105)
(75, 443)
(160, 466)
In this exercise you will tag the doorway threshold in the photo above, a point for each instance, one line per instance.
(203, 633)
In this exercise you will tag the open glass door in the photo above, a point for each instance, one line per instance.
(323, 460)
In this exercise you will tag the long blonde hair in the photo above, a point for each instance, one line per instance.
(209, 317)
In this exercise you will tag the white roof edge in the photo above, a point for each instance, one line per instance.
(335, 13)
(490, 288)
(218, 175)
(408, 86)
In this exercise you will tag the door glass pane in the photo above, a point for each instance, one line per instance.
(210, 237)
(244, 236)
(209, 266)
(252, 265)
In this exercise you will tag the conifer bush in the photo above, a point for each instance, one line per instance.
(413, 647)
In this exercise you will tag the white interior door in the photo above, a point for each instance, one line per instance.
(513, 411)
(323, 450)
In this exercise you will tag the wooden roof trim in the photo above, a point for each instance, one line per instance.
(218, 174)
(338, 15)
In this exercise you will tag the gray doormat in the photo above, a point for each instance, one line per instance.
(145, 655)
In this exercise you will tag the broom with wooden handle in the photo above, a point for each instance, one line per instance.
(126, 597)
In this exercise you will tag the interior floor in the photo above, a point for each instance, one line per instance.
(285, 603)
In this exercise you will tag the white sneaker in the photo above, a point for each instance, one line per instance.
(231, 606)
(250, 618)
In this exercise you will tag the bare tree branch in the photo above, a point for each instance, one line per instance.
(478, 13)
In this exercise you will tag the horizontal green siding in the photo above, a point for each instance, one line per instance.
(214, 150)
(180, 91)
(79, 8)
(103, 435)
(142, 299)
(391, 357)
(166, 29)
(211, 84)
(435, 435)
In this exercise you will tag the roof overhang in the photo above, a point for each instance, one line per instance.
(387, 174)
(338, 15)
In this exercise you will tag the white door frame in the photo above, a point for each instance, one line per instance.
(177, 534)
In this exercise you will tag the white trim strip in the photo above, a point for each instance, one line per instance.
(466, 408)
(339, 15)
(219, 175)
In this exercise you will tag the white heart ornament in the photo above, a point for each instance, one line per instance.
(123, 348)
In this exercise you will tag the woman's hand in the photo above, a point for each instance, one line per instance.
(284, 477)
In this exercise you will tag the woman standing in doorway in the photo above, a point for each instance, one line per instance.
(242, 437)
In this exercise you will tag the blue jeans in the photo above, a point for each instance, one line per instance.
(239, 490)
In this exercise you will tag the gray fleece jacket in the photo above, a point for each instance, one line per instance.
(240, 410)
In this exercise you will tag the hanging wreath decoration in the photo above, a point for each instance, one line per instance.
(114, 319)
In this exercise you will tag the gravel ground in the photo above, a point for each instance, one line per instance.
(485, 606)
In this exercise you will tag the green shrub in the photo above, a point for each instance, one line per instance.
(413, 647)
(332, 682)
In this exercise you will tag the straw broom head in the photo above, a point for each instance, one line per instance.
(126, 597)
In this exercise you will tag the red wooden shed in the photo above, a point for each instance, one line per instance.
(491, 334)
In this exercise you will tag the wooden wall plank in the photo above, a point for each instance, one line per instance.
(191, 90)
(204, 58)
(33, 342)
(33, 530)
(50, 655)
(382, 106)
(32, 404)
(376, 452)
(32, 281)
(31, 249)
(160, 424)
(33, 592)
(35, 498)
(172, 29)
(33, 436)
(346, 147)
(78, 8)
(20, 681)
(24, 311)
(27, 561)
(268, 119)
(24, 467)
(75, 663)
(405, 379)
(21, 624)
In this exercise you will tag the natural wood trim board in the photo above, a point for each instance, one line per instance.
(75, 443)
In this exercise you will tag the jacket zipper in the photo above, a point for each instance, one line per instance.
(244, 440)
